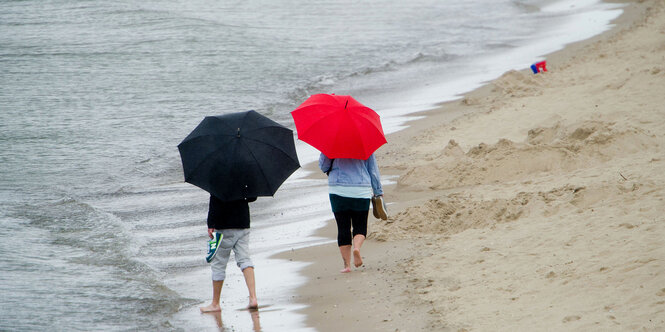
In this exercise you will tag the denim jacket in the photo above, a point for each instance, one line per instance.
(352, 172)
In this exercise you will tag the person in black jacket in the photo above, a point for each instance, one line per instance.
(231, 219)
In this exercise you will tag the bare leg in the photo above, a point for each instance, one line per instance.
(216, 294)
(357, 243)
(251, 287)
(346, 256)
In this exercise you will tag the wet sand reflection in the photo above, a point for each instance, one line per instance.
(253, 313)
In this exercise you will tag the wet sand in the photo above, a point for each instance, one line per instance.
(533, 203)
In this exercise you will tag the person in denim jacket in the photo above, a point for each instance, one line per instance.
(351, 183)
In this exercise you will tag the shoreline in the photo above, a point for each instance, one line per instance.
(399, 290)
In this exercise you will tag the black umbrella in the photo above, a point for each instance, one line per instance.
(238, 155)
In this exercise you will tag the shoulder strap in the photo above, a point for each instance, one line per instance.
(330, 169)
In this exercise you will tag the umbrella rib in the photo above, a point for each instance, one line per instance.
(220, 122)
(367, 117)
(355, 125)
(264, 127)
(275, 147)
(260, 141)
(254, 157)
(194, 171)
(223, 123)
(306, 132)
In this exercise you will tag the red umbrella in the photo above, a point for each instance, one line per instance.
(339, 126)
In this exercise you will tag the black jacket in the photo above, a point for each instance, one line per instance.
(231, 214)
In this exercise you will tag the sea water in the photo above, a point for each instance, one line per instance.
(98, 231)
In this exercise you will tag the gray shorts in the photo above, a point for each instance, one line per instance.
(236, 239)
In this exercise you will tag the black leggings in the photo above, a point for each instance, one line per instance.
(344, 221)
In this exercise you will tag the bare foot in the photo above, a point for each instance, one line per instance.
(345, 270)
(253, 304)
(211, 308)
(357, 260)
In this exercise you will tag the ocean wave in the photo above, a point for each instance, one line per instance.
(500, 46)
(96, 258)
(86, 52)
(526, 7)
(327, 82)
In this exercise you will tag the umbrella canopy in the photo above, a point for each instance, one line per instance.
(238, 155)
(339, 126)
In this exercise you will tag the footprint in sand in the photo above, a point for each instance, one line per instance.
(661, 293)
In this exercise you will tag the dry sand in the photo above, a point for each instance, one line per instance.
(539, 208)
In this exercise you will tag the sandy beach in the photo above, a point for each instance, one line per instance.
(534, 203)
